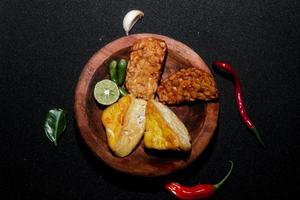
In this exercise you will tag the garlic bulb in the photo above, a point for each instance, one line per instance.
(130, 19)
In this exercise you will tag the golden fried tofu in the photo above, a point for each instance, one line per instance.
(124, 123)
(145, 66)
(164, 130)
(187, 85)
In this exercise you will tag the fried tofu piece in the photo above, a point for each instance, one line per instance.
(164, 130)
(145, 67)
(187, 85)
(124, 123)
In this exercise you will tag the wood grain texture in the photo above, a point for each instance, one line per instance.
(199, 117)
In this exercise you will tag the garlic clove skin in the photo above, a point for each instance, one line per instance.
(130, 19)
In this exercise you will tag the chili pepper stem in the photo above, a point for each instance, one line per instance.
(257, 135)
(218, 185)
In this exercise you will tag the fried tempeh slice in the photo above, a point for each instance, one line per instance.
(145, 66)
(187, 84)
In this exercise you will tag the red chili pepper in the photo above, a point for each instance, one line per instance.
(238, 98)
(200, 191)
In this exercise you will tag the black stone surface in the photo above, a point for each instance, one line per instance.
(45, 44)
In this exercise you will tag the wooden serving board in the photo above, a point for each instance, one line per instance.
(199, 117)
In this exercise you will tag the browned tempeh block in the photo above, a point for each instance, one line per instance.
(187, 85)
(145, 66)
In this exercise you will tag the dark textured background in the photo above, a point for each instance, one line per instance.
(45, 44)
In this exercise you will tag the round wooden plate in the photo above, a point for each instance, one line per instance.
(199, 117)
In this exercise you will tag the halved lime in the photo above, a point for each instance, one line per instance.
(106, 92)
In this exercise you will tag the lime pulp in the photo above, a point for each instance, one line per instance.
(106, 92)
